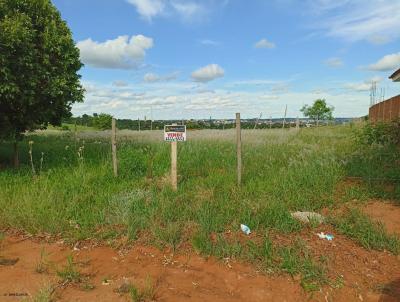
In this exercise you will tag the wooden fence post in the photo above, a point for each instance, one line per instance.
(114, 146)
(238, 149)
(174, 160)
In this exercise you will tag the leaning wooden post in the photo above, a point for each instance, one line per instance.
(238, 149)
(114, 146)
(174, 160)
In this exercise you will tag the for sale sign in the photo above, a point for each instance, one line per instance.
(174, 133)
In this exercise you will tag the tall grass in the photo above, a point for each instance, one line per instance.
(375, 159)
(75, 194)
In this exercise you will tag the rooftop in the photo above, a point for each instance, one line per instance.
(395, 77)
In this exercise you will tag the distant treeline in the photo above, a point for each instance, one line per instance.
(102, 121)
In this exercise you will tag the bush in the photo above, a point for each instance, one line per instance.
(380, 133)
(102, 121)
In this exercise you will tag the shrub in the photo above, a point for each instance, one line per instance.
(380, 133)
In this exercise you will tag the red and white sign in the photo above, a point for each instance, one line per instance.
(174, 133)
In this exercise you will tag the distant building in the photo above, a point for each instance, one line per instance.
(395, 77)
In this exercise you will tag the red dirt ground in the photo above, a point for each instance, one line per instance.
(385, 212)
(366, 275)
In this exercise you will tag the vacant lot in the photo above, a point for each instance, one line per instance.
(81, 235)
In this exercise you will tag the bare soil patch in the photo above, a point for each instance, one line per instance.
(360, 275)
(174, 278)
(384, 212)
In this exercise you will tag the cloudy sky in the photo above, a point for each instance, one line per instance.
(201, 58)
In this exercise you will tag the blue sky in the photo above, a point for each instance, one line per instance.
(195, 59)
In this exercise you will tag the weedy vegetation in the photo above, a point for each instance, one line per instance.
(44, 294)
(148, 293)
(370, 234)
(69, 273)
(75, 193)
(43, 264)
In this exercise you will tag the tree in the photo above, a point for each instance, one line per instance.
(102, 121)
(318, 111)
(38, 68)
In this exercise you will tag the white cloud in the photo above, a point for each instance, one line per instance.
(205, 90)
(358, 86)
(148, 8)
(208, 73)
(378, 39)
(254, 82)
(120, 83)
(208, 102)
(187, 10)
(268, 97)
(153, 77)
(282, 87)
(334, 62)
(318, 91)
(123, 52)
(264, 43)
(276, 86)
(387, 63)
(210, 42)
(321, 6)
(160, 102)
(172, 100)
(376, 21)
(363, 86)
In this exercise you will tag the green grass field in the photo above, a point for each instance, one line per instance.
(74, 193)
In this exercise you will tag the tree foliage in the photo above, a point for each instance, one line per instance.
(102, 121)
(38, 67)
(318, 111)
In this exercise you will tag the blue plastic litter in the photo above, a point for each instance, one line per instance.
(329, 237)
(245, 229)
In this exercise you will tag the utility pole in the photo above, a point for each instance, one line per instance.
(257, 120)
(284, 117)
(151, 116)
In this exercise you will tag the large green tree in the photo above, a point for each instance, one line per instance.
(318, 111)
(39, 66)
